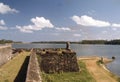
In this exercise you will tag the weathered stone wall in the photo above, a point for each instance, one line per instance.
(57, 60)
(5, 53)
(33, 74)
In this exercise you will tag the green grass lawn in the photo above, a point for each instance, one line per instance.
(82, 76)
(10, 70)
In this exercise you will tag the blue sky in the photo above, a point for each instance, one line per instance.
(59, 20)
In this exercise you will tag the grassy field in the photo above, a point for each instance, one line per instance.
(10, 70)
(82, 76)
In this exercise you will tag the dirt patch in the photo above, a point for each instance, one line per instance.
(97, 71)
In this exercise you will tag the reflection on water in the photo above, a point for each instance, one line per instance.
(86, 50)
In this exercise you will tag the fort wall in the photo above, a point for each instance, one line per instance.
(57, 60)
(5, 54)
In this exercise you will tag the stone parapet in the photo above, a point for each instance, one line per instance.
(33, 71)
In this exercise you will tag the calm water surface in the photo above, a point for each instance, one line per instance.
(86, 50)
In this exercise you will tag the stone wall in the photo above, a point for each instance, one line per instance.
(5, 53)
(57, 60)
(33, 74)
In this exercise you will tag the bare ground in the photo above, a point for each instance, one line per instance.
(99, 72)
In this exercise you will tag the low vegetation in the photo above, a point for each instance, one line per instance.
(82, 76)
(10, 70)
(111, 42)
(3, 41)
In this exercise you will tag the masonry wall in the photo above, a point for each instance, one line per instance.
(33, 74)
(58, 60)
(5, 54)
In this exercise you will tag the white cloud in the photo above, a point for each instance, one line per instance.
(41, 22)
(26, 29)
(38, 24)
(6, 9)
(115, 25)
(77, 35)
(89, 21)
(2, 22)
(63, 29)
(3, 28)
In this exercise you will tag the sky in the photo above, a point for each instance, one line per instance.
(59, 20)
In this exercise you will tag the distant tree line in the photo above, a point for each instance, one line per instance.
(3, 41)
(53, 42)
(93, 42)
(115, 42)
(111, 42)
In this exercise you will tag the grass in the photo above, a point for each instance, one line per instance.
(10, 70)
(82, 76)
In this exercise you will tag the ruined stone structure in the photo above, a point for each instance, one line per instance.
(68, 45)
(57, 60)
(51, 60)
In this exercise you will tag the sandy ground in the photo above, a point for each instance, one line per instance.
(99, 72)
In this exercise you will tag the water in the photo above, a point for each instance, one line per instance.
(86, 50)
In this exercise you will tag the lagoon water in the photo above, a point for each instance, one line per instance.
(86, 50)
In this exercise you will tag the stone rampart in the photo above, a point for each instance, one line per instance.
(57, 60)
(5, 53)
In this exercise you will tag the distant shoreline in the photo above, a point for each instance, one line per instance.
(99, 71)
(105, 60)
(103, 42)
(97, 58)
(100, 42)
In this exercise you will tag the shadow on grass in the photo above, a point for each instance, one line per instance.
(23, 71)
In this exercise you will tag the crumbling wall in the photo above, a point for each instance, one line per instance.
(33, 74)
(57, 60)
(5, 53)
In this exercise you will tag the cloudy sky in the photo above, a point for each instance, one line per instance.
(59, 20)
